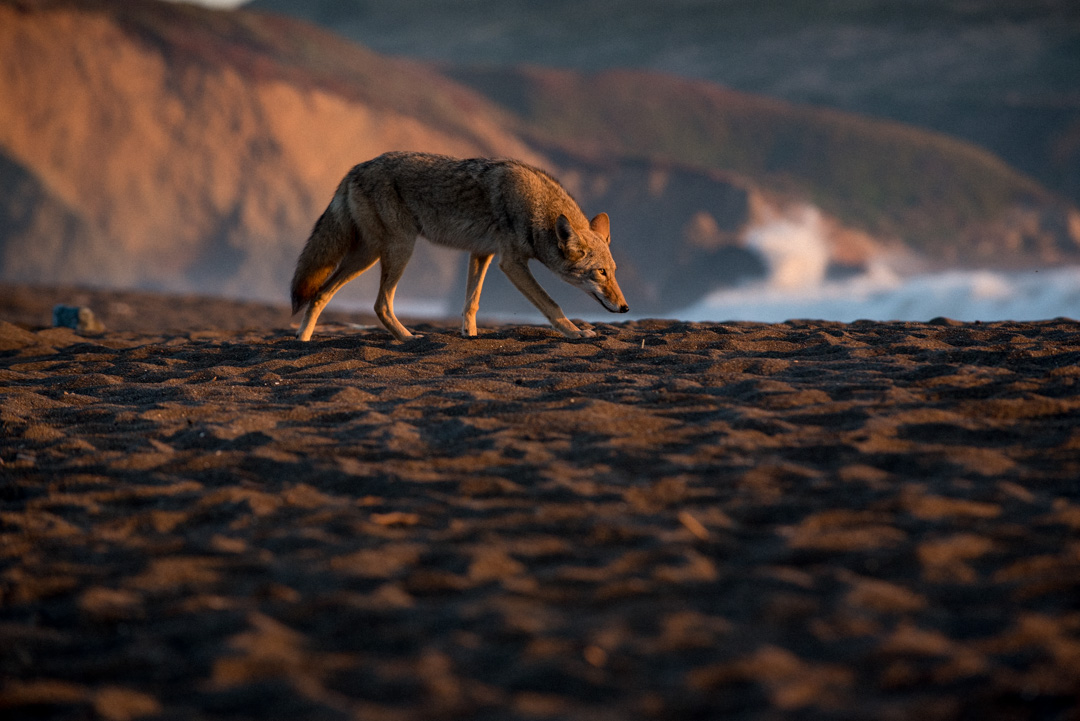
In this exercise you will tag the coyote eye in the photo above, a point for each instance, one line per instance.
(601, 272)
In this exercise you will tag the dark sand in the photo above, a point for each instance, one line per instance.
(202, 518)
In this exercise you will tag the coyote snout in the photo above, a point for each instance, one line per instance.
(612, 303)
(484, 206)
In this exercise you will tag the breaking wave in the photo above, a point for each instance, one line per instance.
(882, 295)
(797, 257)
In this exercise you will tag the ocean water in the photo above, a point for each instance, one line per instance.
(797, 286)
(880, 294)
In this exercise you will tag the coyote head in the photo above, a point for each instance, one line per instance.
(587, 261)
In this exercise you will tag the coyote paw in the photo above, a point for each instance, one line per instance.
(582, 333)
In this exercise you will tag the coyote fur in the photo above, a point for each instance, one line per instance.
(487, 207)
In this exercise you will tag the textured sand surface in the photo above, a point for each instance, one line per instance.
(672, 520)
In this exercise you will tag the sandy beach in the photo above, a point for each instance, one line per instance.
(203, 518)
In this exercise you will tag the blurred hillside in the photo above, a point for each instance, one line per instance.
(169, 147)
(174, 147)
(1004, 74)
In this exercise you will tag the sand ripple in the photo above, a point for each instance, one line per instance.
(868, 520)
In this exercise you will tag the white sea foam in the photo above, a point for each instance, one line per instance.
(880, 294)
(796, 253)
(794, 249)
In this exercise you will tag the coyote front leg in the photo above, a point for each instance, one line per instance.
(478, 266)
(517, 270)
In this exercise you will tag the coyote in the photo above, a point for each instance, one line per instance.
(484, 206)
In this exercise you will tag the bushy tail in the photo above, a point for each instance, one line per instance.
(328, 243)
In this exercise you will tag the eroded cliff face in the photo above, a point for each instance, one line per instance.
(41, 237)
(180, 175)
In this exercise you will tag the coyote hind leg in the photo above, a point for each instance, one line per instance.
(478, 266)
(393, 262)
(351, 266)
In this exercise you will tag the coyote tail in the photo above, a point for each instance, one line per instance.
(328, 243)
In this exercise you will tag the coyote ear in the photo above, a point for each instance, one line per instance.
(601, 225)
(563, 229)
(568, 242)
